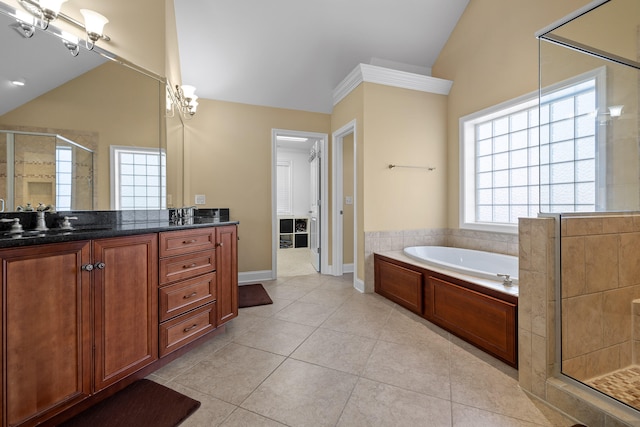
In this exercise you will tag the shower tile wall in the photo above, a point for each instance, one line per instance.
(600, 279)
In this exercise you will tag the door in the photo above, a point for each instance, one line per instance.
(125, 306)
(314, 211)
(227, 272)
(46, 358)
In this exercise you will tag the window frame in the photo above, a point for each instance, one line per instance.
(115, 168)
(467, 146)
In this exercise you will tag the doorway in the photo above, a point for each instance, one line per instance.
(345, 208)
(299, 187)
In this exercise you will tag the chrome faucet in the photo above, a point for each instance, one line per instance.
(506, 279)
(41, 224)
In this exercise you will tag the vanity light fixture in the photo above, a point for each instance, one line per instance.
(185, 99)
(94, 25)
(615, 110)
(48, 10)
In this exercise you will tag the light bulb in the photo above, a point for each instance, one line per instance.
(51, 8)
(94, 23)
(188, 91)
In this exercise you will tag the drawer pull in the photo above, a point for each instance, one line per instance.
(190, 265)
(188, 242)
(87, 267)
(193, 294)
(195, 325)
(219, 244)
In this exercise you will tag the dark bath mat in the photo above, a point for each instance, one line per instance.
(252, 295)
(143, 403)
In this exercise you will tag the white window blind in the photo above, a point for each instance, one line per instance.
(284, 187)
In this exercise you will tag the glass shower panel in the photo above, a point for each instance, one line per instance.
(590, 166)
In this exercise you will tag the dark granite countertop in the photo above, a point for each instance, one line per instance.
(103, 224)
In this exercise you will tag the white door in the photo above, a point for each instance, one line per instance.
(314, 210)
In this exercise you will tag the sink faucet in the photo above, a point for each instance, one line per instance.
(41, 224)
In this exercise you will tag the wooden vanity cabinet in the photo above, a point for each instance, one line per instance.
(79, 316)
(227, 268)
(188, 287)
(125, 306)
(46, 346)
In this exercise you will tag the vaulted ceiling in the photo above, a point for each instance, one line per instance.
(293, 53)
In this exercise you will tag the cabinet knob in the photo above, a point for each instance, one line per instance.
(87, 267)
(219, 244)
(99, 265)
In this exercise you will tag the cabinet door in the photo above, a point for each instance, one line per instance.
(125, 306)
(227, 272)
(46, 360)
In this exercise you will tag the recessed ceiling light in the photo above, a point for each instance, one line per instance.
(18, 82)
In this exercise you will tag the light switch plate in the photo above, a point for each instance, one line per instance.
(200, 199)
(348, 200)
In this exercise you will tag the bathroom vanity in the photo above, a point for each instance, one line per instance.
(86, 313)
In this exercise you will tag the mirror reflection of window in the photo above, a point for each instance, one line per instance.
(138, 178)
(64, 178)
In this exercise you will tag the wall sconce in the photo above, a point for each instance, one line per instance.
(49, 10)
(185, 99)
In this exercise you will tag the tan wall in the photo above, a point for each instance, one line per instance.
(404, 127)
(491, 56)
(228, 159)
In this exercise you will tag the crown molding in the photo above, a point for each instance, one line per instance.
(389, 77)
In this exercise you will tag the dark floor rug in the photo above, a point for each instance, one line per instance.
(252, 295)
(143, 403)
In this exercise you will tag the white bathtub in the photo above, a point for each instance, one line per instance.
(484, 265)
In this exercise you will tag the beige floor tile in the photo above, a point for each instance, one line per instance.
(305, 313)
(329, 296)
(244, 418)
(232, 373)
(421, 368)
(478, 384)
(276, 336)
(404, 327)
(465, 416)
(266, 310)
(376, 404)
(365, 318)
(336, 350)
(212, 412)
(288, 291)
(286, 396)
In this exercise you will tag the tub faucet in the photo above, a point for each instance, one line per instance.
(506, 279)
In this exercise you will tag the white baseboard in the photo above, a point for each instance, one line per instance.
(347, 268)
(254, 276)
(359, 285)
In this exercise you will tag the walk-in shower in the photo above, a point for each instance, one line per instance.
(37, 167)
(590, 175)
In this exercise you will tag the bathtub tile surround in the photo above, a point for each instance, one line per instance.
(595, 334)
(385, 241)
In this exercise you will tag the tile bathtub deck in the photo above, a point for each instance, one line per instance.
(325, 355)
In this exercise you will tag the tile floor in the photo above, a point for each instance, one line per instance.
(325, 355)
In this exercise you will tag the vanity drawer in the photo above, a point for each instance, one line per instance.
(186, 241)
(183, 329)
(186, 266)
(186, 295)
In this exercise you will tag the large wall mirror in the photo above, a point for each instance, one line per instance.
(84, 132)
